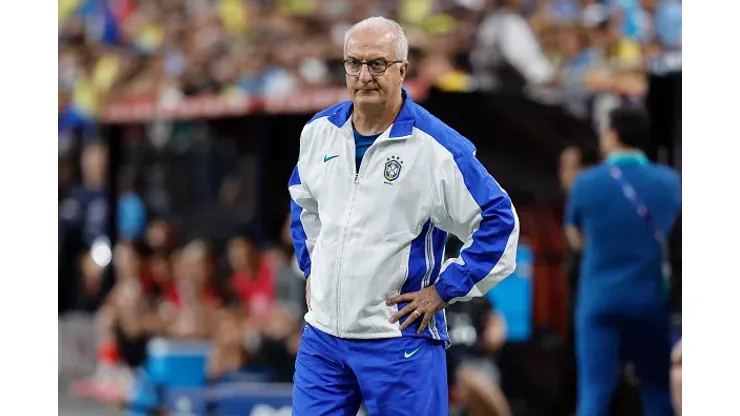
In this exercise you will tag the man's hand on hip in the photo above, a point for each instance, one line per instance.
(308, 292)
(422, 304)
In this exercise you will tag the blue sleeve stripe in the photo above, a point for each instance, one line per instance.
(299, 239)
(297, 232)
(295, 178)
(490, 240)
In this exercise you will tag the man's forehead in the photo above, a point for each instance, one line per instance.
(370, 43)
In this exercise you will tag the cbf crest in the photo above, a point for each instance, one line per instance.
(392, 169)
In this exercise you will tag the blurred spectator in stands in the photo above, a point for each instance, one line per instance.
(616, 77)
(122, 331)
(229, 355)
(87, 207)
(83, 221)
(571, 162)
(289, 280)
(196, 298)
(129, 303)
(662, 40)
(160, 236)
(439, 68)
(578, 58)
(132, 215)
(281, 337)
(252, 278)
(677, 377)
(77, 330)
(506, 53)
(477, 332)
(91, 279)
(66, 177)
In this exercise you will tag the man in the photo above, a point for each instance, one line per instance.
(378, 185)
(619, 213)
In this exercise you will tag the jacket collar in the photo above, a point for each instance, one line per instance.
(401, 128)
(627, 157)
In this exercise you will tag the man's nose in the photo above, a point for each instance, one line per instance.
(365, 73)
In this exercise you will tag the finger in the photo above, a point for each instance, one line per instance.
(410, 320)
(406, 297)
(424, 322)
(403, 312)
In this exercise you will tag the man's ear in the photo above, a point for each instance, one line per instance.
(403, 70)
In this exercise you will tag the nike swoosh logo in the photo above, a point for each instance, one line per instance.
(407, 354)
(328, 158)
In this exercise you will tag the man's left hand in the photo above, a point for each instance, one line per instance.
(422, 304)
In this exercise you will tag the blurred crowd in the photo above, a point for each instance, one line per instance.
(248, 301)
(157, 281)
(170, 49)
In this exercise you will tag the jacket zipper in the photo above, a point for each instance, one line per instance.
(338, 276)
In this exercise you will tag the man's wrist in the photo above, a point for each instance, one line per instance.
(443, 291)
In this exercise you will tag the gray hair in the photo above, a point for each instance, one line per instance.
(391, 26)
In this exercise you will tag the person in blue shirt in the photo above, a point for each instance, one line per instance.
(618, 214)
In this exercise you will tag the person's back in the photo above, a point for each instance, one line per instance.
(622, 260)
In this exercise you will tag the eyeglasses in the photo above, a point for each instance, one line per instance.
(376, 67)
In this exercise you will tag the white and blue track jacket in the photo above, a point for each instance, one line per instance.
(365, 236)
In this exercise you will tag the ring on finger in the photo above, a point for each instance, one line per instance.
(417, 313)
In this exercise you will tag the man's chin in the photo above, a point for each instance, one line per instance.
(367, 97)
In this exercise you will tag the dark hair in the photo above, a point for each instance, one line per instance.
(632, 126)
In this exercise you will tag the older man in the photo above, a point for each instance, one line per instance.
(378, 185)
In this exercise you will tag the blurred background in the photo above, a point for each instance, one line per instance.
(179, 123)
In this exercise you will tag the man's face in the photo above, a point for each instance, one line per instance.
(94, 163)
(367, 88)
(570, 165)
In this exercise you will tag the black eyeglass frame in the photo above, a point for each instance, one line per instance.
(362, 63)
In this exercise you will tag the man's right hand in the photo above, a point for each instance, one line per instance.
(308, 292)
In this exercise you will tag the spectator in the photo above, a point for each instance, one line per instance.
(87, 208)
(578, 58)
(571, 162)
(196, 299)
(616, 76)
(160, 236)
(252, 277)
(290, 282)
(506, 53)
(91, 279)
(229, 356)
